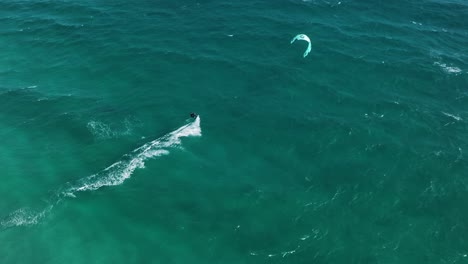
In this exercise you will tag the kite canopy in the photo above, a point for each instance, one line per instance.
(305, 38)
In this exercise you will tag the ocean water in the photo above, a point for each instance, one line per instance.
(357, 153)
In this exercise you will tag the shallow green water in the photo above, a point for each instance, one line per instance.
(354, 154)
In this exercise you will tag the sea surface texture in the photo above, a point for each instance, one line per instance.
(357, 153)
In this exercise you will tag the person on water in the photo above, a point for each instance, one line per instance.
(193, 115)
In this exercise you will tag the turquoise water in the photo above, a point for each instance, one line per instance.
(357, 153)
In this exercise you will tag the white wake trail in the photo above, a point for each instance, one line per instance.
(113, 175)
(118, 172)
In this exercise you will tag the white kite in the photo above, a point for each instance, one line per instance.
(305, 38)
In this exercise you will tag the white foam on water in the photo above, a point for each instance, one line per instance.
(99, 129)
(24, 217)
(448, 69)
(104, 131)
(113, 175)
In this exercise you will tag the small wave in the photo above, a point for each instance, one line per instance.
(448, 69)
(113, 175)
(452, 116)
